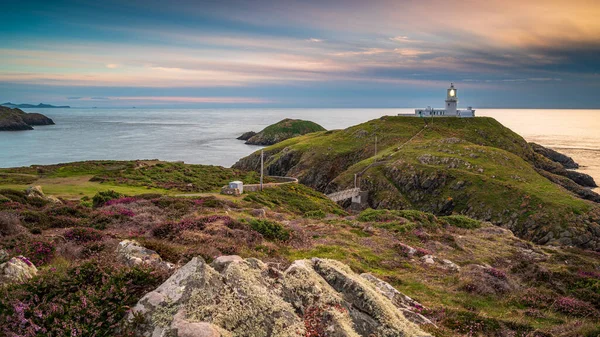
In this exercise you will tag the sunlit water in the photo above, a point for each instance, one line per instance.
(207, 136)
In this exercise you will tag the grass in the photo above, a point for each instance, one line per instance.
(294, 198)
(80, 186)
(473, 167)
(79, 179)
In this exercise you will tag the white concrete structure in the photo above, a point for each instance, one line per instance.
(451, 109)
(237, 184)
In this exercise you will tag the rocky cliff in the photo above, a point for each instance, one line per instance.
(475, 167)
(280, 131)
(16, 119)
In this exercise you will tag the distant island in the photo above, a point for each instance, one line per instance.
(280, 131)
(41, 105)
(14, 119)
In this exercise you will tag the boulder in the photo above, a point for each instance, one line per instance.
(245, 297)
(37, 192)
(16, 270)
(132, 254)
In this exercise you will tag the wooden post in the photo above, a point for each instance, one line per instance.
(262, 154)
(375, 144)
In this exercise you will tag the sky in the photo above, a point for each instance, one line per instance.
(304, 53)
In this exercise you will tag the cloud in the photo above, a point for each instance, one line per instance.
(112, 66)
(312, 39)
(179, 99)
(411, 52)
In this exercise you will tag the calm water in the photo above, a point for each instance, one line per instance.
(207, 136)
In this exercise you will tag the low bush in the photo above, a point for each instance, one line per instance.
(10, 224)
(104, 196)
(38, 252)
(574, 307)
(317, 214)
(90, 299)
(462, 221)
(170, 230)
(83, 235)
(269, 229)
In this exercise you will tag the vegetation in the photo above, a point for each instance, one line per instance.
(474, 167)
(75, 180)
(282, 130)
(298, 223)
(294, 198)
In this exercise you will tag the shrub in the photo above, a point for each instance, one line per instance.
(574, 307)
(90, 299)
(35, 230)
(104, 196)
(171, 229)
(10, 224)
(462, 221)
(83, 235)
(270, 229)
(317, 214)
(38, 252)
(66, 211)
(92, 249)
(123, 200)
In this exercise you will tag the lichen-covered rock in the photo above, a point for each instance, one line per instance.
(132, 253)
(409, 307)
(245, 297)
(37, 192)
(16, 270)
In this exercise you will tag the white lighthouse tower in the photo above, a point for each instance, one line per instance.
(451, 101)
(450, 110)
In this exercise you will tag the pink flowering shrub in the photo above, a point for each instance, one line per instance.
(90, 299)
(38, 252)
(83, 235)
(126, 212)
(574, 307)
(123, 200)
(422, 252)
(172, 229)
(497, 273)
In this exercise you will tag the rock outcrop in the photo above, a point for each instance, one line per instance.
(564, 160)
(247, 135)
(245, 297)
(37, 192)
(280, 131)
(17, 120)
(16, 270)
(132, 253)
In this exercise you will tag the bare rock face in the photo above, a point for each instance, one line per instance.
(244, 297)
(16, 270)
(132, 253)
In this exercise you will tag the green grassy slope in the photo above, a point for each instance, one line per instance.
(283, 130)
(467, 166)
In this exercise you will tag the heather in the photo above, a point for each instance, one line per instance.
(473, 277)
(87, 299)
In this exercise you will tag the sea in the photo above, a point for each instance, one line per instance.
(208, 136)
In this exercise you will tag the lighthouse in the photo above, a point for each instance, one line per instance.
(451, 101)
(450, 110)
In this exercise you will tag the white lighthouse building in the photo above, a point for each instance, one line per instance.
(451, 109)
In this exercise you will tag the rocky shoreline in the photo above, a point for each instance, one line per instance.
(15, 119)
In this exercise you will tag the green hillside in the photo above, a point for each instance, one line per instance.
(475, 167)
(282, 130)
